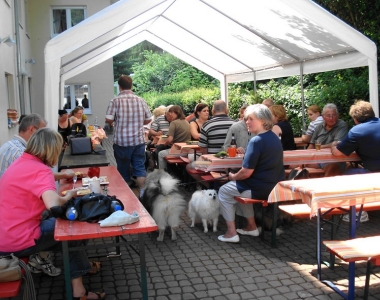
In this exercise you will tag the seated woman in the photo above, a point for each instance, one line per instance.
(64, 125)
(315, 117)
(76, 115)
(179, 131)
(282, 127)
(262, 168)
(201, 114)
(30, 180)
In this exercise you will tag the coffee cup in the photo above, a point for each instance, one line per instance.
(94, 185)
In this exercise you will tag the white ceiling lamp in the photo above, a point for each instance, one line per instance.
(8, 40)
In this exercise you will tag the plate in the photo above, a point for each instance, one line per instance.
(81, 191)
(103, 180)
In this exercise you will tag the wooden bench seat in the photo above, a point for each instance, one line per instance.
(358, 249)
(313, 172)
(303, 210)
(244, 200)
(12, 288)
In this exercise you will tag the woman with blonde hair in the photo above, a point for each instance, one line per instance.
(76, 115)
(282, 127)
(30, 180)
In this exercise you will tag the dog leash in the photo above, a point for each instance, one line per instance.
(195, 182)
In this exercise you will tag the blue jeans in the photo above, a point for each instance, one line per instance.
(130, 156)
(79, 264)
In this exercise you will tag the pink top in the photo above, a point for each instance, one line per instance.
(21, 205)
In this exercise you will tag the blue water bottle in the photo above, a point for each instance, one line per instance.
(115, 205)
(71, 213)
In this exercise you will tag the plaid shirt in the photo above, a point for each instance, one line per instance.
(10, 151)
(130, 111)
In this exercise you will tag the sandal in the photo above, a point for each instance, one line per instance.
(100, 295)
(95, 267)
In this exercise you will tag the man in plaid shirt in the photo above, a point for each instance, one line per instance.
(129, 113)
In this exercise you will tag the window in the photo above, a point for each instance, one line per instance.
(64, 18)
(77, 94)
(10, 91)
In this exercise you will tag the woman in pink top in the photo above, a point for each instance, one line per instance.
(27, 188)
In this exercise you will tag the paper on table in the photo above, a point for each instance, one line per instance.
(103, 180)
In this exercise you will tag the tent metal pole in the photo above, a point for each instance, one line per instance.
(302, 98)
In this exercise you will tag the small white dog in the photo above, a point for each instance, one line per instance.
(163, 201)
(205, 205)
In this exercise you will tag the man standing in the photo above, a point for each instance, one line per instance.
(130, 113)
(330, 130)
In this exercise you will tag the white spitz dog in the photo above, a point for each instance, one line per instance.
(163, 201)
(205, 205)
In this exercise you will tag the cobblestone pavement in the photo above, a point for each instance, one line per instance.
(198, 266)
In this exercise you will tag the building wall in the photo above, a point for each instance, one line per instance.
(100, 78)
(12, 63)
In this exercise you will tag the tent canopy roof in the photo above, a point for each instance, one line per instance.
(266, 38)
(233, 41)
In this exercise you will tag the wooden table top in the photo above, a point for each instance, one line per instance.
(77, 230)
(329, 192)
(85, 160)
(294, 157)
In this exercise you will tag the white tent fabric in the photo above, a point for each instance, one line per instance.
(233, 41)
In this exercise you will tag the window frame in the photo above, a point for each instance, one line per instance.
(68, 16)
(73, 97)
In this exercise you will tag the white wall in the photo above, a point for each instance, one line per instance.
(100, 77)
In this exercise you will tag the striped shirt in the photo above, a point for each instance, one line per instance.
(313, 124)
(10, 151)
(214, 132)
(130, 112)
(160, 124)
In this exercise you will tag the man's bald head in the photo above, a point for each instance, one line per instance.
(219, 108)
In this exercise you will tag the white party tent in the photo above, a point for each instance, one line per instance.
(233, 41)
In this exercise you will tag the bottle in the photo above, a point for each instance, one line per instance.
(71, 213)
(96, 122)
(233, 141)
(232, 148)
(115, 205)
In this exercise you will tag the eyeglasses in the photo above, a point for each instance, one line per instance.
(330, 116)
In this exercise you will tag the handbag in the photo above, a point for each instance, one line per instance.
(90, 208)
(80, 145)
(10, 270)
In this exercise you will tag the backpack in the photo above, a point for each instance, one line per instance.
(78, 129)
(90, 208)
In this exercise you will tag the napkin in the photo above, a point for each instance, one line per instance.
(119, 218)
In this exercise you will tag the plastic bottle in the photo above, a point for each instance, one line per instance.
(96, 123)
(71, 213)
(115, 205)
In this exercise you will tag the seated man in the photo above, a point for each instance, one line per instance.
(213, 133)
(330, 130)
(364, 139)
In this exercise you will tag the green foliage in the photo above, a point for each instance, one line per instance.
(186, 99)
(167, 74)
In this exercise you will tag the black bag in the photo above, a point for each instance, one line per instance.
(80, 145)
(91, 207)
(79, 128)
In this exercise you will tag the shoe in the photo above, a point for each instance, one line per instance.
(363, 218)
(101, 295)
(36, 262)
(95, 267)
(255, 232)
(234, 239)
